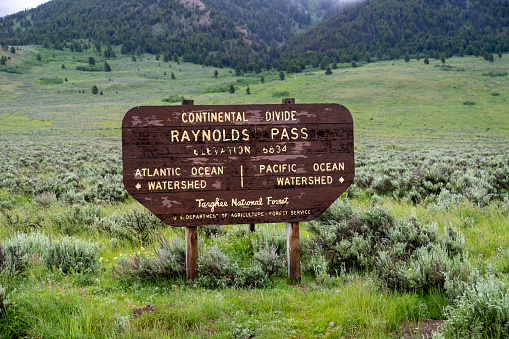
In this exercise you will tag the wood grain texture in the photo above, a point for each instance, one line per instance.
(191, 234)
(202, 165)
(293, 251)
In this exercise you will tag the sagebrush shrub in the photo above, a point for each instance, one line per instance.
(270, 261)
(403, 253)
(217, 271)
(137, 227)
(482, 311)
(12, 262)
(29, 243)
(167, 261)
(76, 219)
(71, 254)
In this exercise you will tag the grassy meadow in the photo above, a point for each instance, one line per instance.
(82, 259)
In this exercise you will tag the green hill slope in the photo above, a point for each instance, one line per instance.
(186, 28)
(391, 28)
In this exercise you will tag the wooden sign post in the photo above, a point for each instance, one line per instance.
(197, 165)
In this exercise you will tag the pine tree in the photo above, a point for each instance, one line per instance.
(172, 75)
(328, 71)
(407, 57)
(95, 90)
(232, 89)
(281, 76)
(262, 79)
(91, 61)
(107, 67)
(248, 91)
(38, 57)
(426, 61)
(216, 74)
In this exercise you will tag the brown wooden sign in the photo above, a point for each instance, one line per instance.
(237, 164)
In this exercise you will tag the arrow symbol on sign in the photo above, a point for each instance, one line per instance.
(341, 180)
(138, 186)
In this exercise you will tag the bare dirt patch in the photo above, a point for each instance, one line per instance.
(422, 329)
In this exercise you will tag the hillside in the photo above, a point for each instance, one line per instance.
(431, 161)
(390, 28)
(252, 35)
(187, 28)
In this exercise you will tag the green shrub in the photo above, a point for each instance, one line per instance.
(135, 227)
(76, 219)
(236, 244)
(27, 244)
(70, 254)
(90, 68)
(50, 81)
(469, 103)
(281, 94)
(12, 262)
(482, 311)
(495, 74)
(217, 271)
(404, 254)
(168, 261)
(270, 262)
(211, 230)
(174, 98)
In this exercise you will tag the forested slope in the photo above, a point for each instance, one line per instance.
(251, 35)
(391, 28)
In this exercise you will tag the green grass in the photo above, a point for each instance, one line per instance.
(389, 99)
(397, 108)
(69, 306)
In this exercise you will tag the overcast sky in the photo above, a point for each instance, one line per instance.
(13, 6)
